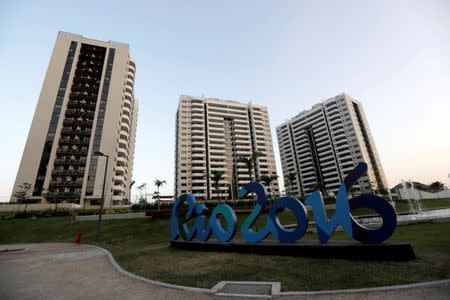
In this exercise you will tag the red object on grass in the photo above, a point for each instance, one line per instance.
(78, 239)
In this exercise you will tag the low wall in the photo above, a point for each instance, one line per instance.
(34, 206)
(111, 217)
(410, 194)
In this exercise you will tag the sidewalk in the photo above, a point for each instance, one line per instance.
(67, 271)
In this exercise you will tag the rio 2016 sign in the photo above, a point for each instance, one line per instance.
(203, 228)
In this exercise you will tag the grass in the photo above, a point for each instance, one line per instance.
(141, 246)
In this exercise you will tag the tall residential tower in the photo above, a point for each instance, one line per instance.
(211, 135)
(323, 144)
(86, 106)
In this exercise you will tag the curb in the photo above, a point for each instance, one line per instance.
(154, 282)
(212, 291)
(425, 284)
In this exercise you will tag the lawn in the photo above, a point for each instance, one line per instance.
(141, 246)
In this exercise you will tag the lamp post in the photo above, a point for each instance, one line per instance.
(98, 153)
(129, 198)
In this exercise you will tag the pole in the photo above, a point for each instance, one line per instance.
(103, 200)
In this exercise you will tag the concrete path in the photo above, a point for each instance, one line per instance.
(66, 271)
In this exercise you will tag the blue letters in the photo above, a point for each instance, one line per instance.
(204, 228)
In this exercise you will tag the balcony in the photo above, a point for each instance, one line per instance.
(122, 161)
(63, 196)
(131, 68)
(126, 119)
(117, 197)
(198, 143)
(66, 183)
(197, 114)
(217, 152)
(196, 109)
(119, 179)
(78, 92)
(71, 151)
(64, 161)
(122, 152)
(69, 130)
(198, 167)
(120, 170)
(126, 111)
(82, 103)
(125, 127)
(197, 132)
(72, 121)
(79, 113)
(68, 172)
(127, 102)
(68, 141)
(124, 135)
(198, 154)
(196, 125)
(130, 82)
(88, 71)
(217, 140)
(124, 142)
(198, 181)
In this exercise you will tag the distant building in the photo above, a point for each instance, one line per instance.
(416, 185)
(211, 134)
(86, 105)
(323, 144)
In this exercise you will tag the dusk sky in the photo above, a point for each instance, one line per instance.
(393, 56)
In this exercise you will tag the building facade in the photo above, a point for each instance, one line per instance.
(212, 135)
(320, 146)
(86, 106)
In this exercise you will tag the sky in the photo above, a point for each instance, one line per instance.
(393, 56)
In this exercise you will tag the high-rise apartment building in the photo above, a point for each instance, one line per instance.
(86, 106)
(323, 144)
(211, 135)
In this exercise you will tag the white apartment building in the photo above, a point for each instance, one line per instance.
(211, 134)
(323, 144)
(86, 105)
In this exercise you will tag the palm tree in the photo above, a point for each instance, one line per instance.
(158, 184)
(142, 193)
(250, 162)
(267, 180)
(290, 180)
(216, 177)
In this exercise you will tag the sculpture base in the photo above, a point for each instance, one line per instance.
(308, 248)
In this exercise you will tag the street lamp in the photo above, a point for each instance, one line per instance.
(98, 153)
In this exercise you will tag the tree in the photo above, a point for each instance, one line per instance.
(216, 177)
(250, 162)
(21, 194)
(289, 179)
(267, 180)
(158, 184)
(318, 186)
(382, 191)
(436, 186)
(142, 192)
(143, 203)
(50, 196)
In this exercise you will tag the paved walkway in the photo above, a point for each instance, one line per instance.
(66, 271)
